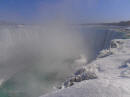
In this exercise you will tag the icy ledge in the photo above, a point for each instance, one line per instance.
(112, 70)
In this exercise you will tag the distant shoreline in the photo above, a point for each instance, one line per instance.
(121, 23)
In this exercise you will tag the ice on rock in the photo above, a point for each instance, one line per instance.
(80, 75)
(104, 53)
(114, 47)
(111, 80)
(116, 43)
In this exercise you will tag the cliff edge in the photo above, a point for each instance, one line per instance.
(111, 72)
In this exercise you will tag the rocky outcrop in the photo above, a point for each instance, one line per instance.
(114, 46)
(80, 75)
(116, 43)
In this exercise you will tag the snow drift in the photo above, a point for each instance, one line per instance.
(113, 74)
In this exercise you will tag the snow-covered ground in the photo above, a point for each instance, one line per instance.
(112, 68)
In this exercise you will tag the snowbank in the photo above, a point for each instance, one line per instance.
(112, 68)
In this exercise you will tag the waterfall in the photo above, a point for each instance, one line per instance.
(35, 58)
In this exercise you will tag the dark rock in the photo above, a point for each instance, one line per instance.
(68, 83)
(80, 71)
(78, 78)
(59, 87)
(115, 43)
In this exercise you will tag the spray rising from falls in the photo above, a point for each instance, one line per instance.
(35, 58)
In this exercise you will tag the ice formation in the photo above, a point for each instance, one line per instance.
(112, 69)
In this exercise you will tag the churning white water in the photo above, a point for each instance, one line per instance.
(33, 58)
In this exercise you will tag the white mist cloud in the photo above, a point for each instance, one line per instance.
(31, 53)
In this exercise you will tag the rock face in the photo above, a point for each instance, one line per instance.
(80, 75)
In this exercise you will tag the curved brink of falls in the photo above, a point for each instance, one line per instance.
(33, 59)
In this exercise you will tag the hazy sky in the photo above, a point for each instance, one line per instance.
(76, 11)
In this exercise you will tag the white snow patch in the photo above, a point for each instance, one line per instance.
(113, 70)
(1, 81)
(81, 60)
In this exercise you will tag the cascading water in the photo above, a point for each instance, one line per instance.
(33, 59)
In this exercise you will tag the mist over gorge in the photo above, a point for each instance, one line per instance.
(39, 57)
